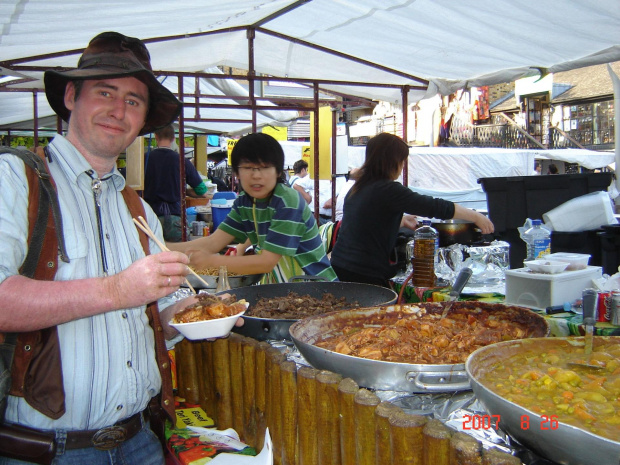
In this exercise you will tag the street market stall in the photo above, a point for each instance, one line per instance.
(397, 51)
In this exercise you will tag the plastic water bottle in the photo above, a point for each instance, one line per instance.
(538, 241)
(425, 240)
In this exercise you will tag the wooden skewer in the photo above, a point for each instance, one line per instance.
(144, 226)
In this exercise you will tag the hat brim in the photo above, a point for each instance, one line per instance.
(164, 107)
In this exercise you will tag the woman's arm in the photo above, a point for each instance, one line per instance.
(409, 221)
(484, 223)
(425, 205)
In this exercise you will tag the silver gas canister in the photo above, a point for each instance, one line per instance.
(614, 308)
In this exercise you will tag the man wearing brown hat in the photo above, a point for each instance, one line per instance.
(95, 301)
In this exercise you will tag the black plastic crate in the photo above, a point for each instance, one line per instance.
(610, 248)
(513, 199)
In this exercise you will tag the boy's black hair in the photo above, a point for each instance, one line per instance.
(258, 148)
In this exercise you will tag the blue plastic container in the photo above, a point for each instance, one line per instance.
(190, 213)
(221, 204)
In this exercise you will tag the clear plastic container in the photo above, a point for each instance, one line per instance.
(537, 240)
(541, 290)
(425, 240)
(576, 261)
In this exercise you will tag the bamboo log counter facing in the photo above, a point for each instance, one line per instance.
(314, 417)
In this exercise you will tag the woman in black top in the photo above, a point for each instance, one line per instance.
(373, 211)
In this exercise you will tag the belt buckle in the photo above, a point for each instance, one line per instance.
(109, 437)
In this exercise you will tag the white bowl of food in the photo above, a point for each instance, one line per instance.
(576, 261)
(211, 317)
(546, 266)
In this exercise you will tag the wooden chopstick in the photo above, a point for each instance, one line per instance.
(163, 247)
(144, 226)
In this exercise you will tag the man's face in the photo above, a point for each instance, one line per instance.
(107, 116)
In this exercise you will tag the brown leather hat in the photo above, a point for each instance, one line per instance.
(113, 55)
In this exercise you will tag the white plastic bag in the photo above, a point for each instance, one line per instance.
(587, 212)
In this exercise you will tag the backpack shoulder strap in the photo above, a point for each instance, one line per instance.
(134, 203)
(46, 239)
(36, 372)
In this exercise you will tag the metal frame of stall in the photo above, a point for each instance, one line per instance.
(253, 103)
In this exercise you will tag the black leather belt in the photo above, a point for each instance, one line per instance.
(108, 437)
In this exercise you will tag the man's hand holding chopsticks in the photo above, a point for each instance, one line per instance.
(149, 279)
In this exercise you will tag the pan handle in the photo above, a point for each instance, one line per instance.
(439, 380)
(306, 277)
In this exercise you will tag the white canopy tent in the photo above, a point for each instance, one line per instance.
(16, 110)
(448, 44)
(392, 50)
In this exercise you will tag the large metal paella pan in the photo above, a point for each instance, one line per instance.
(277, 328)
(561, 442)
(401, 376)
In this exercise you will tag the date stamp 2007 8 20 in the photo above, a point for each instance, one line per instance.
(477, 422)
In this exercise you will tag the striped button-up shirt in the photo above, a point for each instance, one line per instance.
(108, 360)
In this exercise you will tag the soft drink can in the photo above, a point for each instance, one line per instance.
(614, 317)
(198, 228)
(603, 305)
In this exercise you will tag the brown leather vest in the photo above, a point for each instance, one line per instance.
(37, 372)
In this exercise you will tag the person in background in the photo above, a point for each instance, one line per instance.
(537, 169)
(325, 208)
(96, 301)
(352, 176)
(272, 216)
(373, 213)
(220, 184)
(162, 183)
(553, 169)
(301, 182)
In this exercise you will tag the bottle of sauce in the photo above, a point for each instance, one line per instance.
(425, 240)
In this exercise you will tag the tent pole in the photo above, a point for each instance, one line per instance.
(35, 111)
(251, 74)
(333, 177)
(405, 91)
(316, 152)
(616, 83)
(182, 164)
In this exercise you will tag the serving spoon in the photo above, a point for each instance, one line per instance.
(457, 288)
(589, 297)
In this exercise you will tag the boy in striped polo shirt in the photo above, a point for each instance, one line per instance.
(268, 213)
